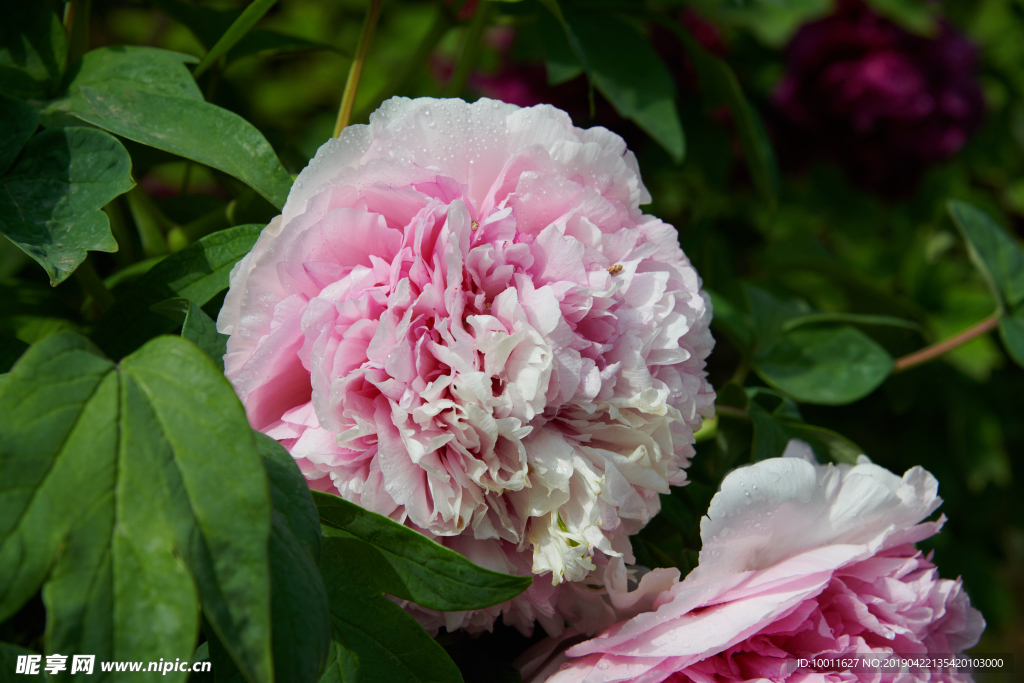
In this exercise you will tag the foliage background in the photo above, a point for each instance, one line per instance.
(815, 237)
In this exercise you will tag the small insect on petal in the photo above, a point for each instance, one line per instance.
(616, 269)
(474, 225)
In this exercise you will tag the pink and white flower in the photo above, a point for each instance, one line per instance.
(463, 320)
(798, 559)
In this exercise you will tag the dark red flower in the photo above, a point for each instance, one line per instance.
(882, 101)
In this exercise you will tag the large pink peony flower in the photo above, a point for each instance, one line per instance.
(797, 559)
(463, 320)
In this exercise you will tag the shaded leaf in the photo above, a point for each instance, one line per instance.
(147, 95)
(198, 272)
(996, 254)
(629, 73)
(387, 557)
(33, 50)
(113, 504)
(17, 123)
(11, 349)
(723, 88)
(197, 327)
(375, 640)
(830, 366)
(51, 199)
(1011, 330)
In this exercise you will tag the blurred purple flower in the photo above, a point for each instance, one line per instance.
(883, 102)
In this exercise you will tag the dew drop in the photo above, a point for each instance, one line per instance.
(602, 665)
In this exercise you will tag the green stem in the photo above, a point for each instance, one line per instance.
(470, 49)
(348, 98)
(935, 350)
(732, 413)
(93, 286)
(76, 23)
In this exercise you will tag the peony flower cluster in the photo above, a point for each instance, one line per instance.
(798, 559)
(880, 100)
(462, 320)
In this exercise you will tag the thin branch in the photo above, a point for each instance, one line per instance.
(935, 350)
(348, 98)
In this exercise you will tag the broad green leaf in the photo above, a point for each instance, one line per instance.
(1011, 329)
(301, 621)
(299, 608)
(561, 62)
(238, 29)
(770, 437)
(387, 557)
(996, 254)
(33, 50)
(147, 95)
(770, 314)
(196, 326)
(375, 640)
(626, 69)
(827, 365)
(198, 272)
(17, 123)
(51, 199)
(111, 502)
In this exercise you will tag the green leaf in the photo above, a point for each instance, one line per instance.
(722, 87)
(561, 62)
(1011, 330)
(770, 314)
(299, 608)
(994, 253)
(829, 366)
(198, 272)
(147, 95)
(623, 65)
(238, 29)
(196, 326)
(17, 123)
(209, 25)
(33, 50)
(111, 502)
(387, 557)
(772, 433)
(51, 199)
(375, 640)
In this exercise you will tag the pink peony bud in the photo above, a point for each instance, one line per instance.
(798, 559)
(463, 320)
